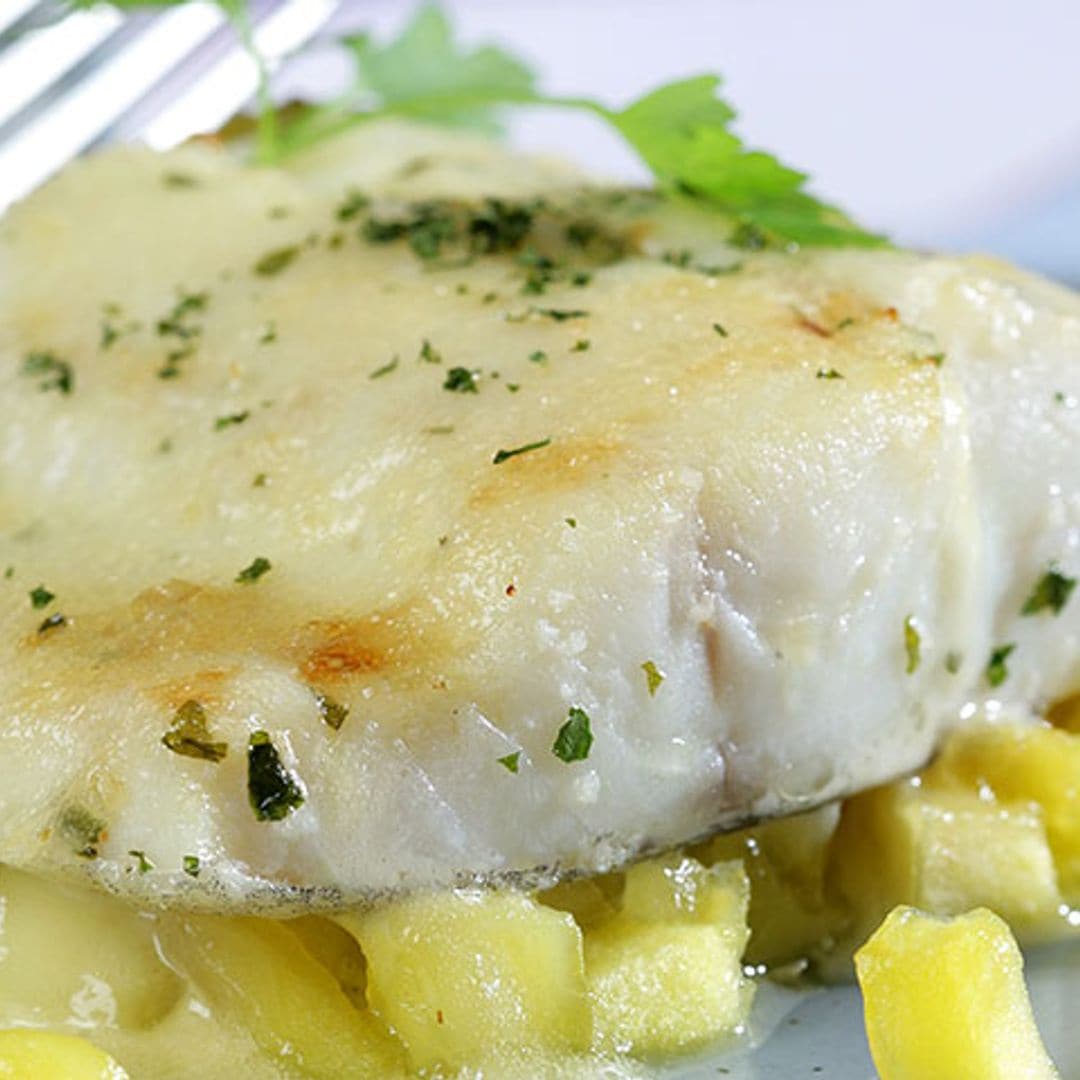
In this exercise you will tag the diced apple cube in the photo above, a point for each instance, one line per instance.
(785, 860)
(666, 972)
(1024, 764)
(466, 974)
(944, 851)
(69, 954)
(27, 1054)
(946, 998)
(257, 974)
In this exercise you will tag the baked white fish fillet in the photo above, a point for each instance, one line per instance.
(812, 494)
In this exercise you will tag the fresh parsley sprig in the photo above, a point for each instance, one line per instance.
(682, 131)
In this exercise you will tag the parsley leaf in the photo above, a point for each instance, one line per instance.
(253, 571)
(461, 381)
(510, 761)
(682, 131)
(333, 712)
(189, 735)
(653, 677)
(575, 739)
(505, 455)
(273, 791)
(996, 671)
(912, 645)
(51, 372)
(41, 597)
(1051, 591)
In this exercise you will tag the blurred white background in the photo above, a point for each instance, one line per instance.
(947, 123)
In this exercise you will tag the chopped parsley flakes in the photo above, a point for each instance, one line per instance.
(82, 830)
(143, 864)
(429, 354)
(912, 645)
(510, 761)
(575, 739)
(505, 455)
(273, 262)
(52, 622)
(333, 712)
(996, 670)
(231, 420)
(41, 597)
(189, 735)
(653, 677)
(379, 372)
(828, 373)
(461, 381)
(191, 865)
(253, 571)
(273, 791)
(51, 372)
(1051, 591)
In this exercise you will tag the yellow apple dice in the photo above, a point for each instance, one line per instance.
(69, 954)
(945, 851)
(461, 975)
(665, 973)
(785, 860)
(257, 974)
(1024, 764)
(945, 999)
(47, 1055)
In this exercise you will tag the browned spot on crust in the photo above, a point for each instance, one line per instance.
(332, 650)
(205, 687)
(804, 322)
(564, 465)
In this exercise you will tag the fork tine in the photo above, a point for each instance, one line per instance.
(68, 125)
(191, 102)
(44, 58)
(19, 16)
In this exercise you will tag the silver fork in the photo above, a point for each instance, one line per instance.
(71, 82)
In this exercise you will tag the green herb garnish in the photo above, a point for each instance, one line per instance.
(538, 357)
(912, 645)
(41, 597)
(253, 571)
(510, 761)
(189, 735)
(505, 455)
(461, 381)
(719, 328)
(653, 677)
(223, 422)
(273, 262)
(273, 791)
(143, 864)
(82, 830)
(575, 737)
(996, 671)
(1051, 591)
(333, 713)
(52, 622)
(429, 354)
(379, 372)
(191, 865)
(831, 373)
(51, 372)
(581, 345)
